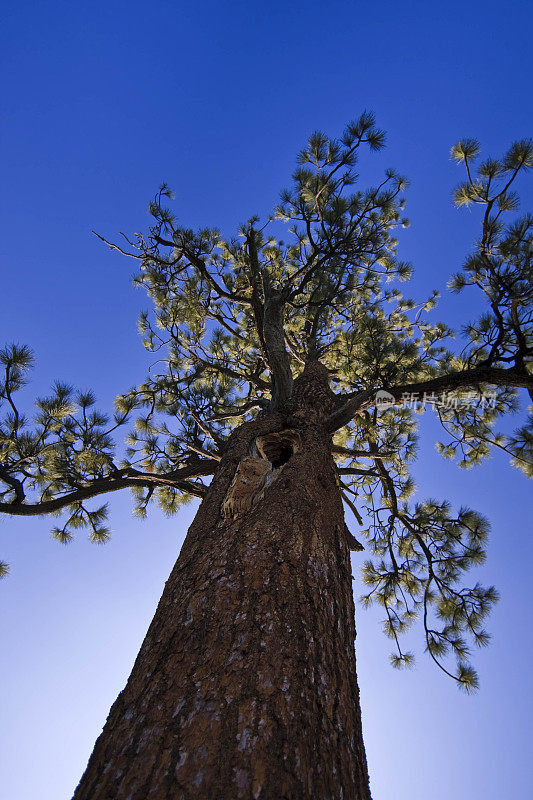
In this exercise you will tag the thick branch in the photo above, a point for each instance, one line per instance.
(177, 479)
(338, 450)
(278, 357)
(15, 484)
(494, 376)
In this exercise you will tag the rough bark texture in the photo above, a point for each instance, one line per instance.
(245, 686)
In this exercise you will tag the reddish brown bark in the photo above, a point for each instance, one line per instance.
(245, 685)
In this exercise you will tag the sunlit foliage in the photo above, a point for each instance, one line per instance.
(234, 322)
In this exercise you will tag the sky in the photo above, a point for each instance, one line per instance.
(102, 102)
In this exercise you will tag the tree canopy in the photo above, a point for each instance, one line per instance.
(235, 321)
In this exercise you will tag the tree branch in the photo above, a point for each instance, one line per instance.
(494, 376)
(278, 358)
(177, 479)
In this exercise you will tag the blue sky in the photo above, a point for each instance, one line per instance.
(100, 103)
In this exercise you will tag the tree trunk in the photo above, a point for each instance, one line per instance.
(245, 685)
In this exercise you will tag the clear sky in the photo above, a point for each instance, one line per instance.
(100, 103)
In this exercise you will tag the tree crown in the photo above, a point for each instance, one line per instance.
(236, 320)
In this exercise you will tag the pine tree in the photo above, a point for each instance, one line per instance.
(289, 368)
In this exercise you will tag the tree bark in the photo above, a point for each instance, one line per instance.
(245, 685)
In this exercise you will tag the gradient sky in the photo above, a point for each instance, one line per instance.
(100, 103)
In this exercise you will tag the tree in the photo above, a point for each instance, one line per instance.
(286, 380)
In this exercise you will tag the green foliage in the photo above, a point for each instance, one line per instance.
(521, 446)
(421, 555)
(501, 267)
(235, 319)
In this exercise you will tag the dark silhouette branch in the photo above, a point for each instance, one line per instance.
(176, 479)
(494, 376)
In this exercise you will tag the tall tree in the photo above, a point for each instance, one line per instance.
(286, 380)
